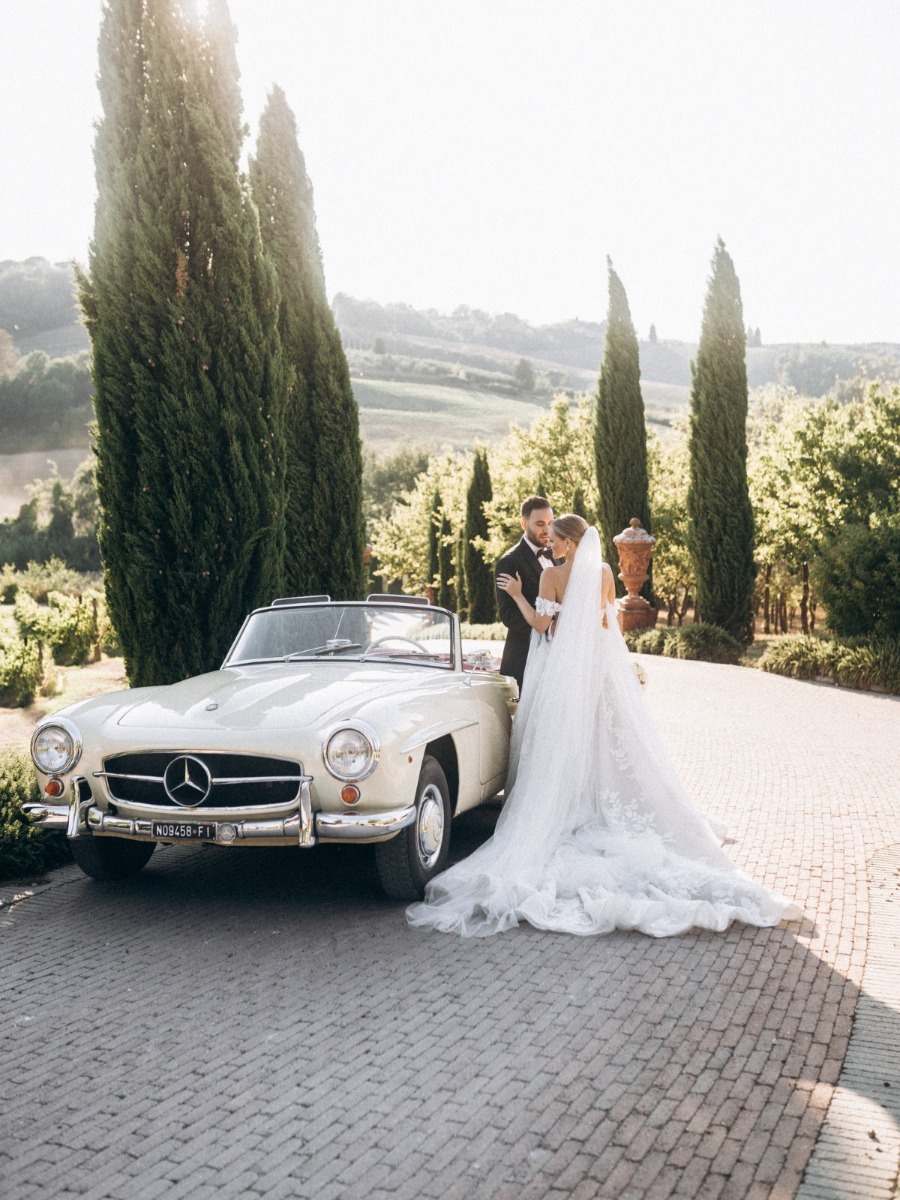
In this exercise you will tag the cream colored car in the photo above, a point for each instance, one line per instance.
(328, 722)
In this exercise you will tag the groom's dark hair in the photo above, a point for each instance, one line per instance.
(530, 503)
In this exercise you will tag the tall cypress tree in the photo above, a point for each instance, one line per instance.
(324, 451)
(479, 573)
(620, 434)
(181, 305)
(720, 530)
(462, 599)
(434, 537)
(440, 560)
(445, 596)
(579, 504)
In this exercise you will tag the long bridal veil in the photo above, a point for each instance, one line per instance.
(596, 833)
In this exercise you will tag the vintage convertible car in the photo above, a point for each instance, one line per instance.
(328, 722)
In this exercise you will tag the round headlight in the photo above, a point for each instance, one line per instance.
(351, 754)
(56, 747)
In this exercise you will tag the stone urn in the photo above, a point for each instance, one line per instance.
(635, 546)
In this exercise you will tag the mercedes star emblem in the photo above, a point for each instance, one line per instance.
(187, 781)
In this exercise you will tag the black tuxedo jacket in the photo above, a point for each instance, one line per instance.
(521, 560)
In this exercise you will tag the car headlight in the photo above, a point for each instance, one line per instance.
(352, 752)
(56, 746)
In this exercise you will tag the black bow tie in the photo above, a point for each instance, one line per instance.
(545, 553)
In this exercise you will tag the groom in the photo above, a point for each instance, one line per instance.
(527, 559)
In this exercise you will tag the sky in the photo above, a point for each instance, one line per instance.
(494, 153)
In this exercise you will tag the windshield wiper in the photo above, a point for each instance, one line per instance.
(412, 655)
(333, 647)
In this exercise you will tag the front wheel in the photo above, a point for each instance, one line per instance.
(108, 859)
(408, 861)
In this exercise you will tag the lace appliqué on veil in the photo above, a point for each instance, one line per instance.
(546, 608)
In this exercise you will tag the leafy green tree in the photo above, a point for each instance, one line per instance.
(620, 434)
(324, 478)
(553, 458)
(46, 401)
(478, 568)
(579, 505)
(400, 535)
(819, 469)
(59, 521)
(673, 567)
(387, 478)
(524, 376)
(721, 517)
(856, 575)
(181, 305)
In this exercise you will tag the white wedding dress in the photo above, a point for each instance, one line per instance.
(596, 833)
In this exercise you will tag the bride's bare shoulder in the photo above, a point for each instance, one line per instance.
(552, 580)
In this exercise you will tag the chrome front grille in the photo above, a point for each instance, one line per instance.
(236, 780)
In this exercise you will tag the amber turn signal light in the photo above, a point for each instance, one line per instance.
(350, 794)
(54, 787)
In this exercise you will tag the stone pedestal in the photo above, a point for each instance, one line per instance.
(635, 545)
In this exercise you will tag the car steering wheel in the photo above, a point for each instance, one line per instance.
(396, 637)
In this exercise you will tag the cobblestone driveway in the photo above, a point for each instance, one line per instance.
(263, 1024)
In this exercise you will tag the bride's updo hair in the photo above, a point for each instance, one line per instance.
(570, 526)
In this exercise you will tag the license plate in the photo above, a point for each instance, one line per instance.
(187, 831)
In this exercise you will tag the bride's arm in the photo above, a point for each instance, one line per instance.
(607, 586)
(607, 591)
(512, 585)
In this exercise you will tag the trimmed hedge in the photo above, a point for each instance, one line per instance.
(24, 849)
(702, 643)
(800, 657)
(868, 663)
(483, 633)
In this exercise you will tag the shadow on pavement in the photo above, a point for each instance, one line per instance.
(634, 1060)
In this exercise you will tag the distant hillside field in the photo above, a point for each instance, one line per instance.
(57, 343)
(438, 379)
(392, 412)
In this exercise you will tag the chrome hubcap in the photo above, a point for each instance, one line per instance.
(430, 826)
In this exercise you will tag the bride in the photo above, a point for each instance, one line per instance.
(596, 833)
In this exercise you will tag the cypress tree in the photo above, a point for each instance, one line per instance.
(579, 505)
(445, 564)
(181, 307)
(462, 599)
(720, 530)
(434, 558)
(324, 481)
(479, 574)
(620, 435)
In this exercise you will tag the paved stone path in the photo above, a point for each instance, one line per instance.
(262, 1024)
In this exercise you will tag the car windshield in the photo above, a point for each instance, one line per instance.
(358, 632)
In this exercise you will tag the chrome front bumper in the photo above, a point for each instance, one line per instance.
(304, 828)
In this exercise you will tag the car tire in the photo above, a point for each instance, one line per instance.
(408, 861)
(108, 859)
